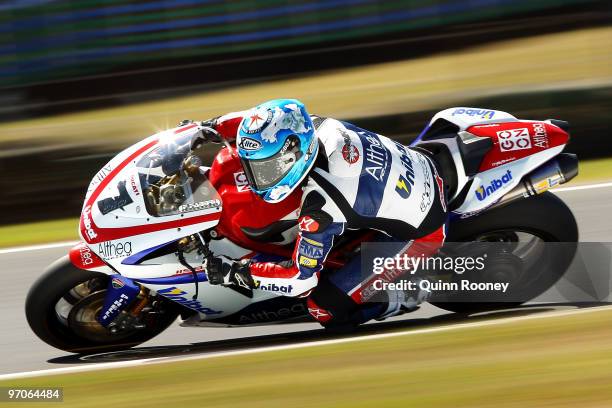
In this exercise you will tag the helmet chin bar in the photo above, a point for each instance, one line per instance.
(267, 173)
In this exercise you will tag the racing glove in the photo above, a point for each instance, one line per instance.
(233, 274)
(206, 134)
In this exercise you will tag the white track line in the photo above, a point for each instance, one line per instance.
(255, 350)
(37, 247)
(583, 187)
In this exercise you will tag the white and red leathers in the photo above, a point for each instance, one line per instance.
(360, 181)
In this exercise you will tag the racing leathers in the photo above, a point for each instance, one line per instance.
(360, 181)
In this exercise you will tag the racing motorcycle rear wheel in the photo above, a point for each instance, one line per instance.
(523, 228)
(62, 306)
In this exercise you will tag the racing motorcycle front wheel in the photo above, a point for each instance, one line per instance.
(522, 231)
(63, 304)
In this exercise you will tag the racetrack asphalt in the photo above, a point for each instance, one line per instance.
(21, 350)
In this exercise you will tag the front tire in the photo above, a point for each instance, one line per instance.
(546, 217)
(61, 287)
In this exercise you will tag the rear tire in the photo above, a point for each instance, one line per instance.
(545, 216)
(56, 284)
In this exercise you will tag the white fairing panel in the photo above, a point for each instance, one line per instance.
(466, 117)
(491, 185)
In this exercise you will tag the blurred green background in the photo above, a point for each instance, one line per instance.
(82, 79)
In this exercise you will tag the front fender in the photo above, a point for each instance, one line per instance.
(84, 258)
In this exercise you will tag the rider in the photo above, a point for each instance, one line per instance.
(352, 179)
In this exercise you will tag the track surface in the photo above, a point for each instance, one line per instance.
(21, 350)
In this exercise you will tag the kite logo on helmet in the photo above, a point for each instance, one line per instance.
(247, 143)
(257, 121)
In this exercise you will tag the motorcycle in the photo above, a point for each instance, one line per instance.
(154, 214)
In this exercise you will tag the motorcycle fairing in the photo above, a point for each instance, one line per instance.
(83, 257)
(116, 222)
(275, 310)
(483, 167)
(489, 186)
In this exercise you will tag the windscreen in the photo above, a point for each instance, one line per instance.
(173, 179)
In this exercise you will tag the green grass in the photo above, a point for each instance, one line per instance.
(594, 170)
(39, 232)
(66, 229)
(554, 362)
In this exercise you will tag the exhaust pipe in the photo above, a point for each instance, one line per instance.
(554, 172)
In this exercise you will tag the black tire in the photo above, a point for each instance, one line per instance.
(545, 216)
(55, 284)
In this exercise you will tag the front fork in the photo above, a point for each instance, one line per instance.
(120, 294)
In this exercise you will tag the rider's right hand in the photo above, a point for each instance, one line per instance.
(221, 270)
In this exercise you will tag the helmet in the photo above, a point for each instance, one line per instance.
(277, 147)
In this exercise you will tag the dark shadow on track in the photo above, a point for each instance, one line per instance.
(211, 347)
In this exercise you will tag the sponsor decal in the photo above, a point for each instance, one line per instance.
(350, 152)
(101, 175)
(308, 224)
(87, 223)
(545, 184)
(246, 143)
(376, 158)
(117, 283)
(403, 187)
(286, 146)
(177, 295)
(482, 113)
(134, 185)
(540, 137)
(483, 192)
(199, 206)
(318, 313)
(273, 287)
(307, 262)
(426, 196)
(110, 204)
(311, 148)
(83, 257)
(427, 185)
(312, 249)
(198, 268)
(115, 249)
(514, 139)
(85, 253)
(503, 161)
(312, 242)
(273, 315)
(256, 122)
(117, 305)
(405, 182)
